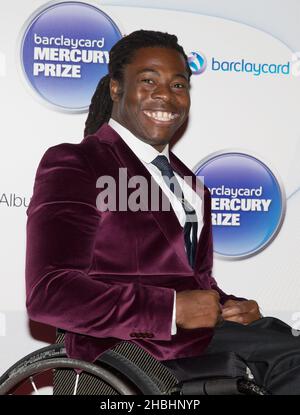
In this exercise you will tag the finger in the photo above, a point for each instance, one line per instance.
(243, 318)
(237, 319)
(246, 306)
(231, 311)
(251, 308)
(230, 303)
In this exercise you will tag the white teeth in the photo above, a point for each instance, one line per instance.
(161, 115)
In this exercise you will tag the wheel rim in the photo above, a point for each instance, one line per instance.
(33, 379)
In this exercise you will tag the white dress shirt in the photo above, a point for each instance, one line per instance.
(146, 154)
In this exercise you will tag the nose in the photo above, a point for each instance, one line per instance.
(162, 92)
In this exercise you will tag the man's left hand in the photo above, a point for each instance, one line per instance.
(243, 312)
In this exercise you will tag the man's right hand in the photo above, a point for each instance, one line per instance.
(197, 308)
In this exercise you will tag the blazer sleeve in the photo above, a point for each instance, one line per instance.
(62, 225)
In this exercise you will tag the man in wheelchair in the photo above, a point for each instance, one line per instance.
(106, 267)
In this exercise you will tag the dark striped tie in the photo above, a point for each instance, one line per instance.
(191, 225)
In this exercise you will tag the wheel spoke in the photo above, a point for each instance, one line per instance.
(33, 385)
(76, 383)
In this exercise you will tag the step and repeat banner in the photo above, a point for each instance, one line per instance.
(242, 137)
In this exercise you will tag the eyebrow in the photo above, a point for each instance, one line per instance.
(181, 75)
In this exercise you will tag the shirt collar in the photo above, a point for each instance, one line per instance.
(145, 152)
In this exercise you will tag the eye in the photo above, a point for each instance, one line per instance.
(179, 85)
(147, 81)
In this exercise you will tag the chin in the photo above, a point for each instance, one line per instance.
(159, 141)
(161, 137)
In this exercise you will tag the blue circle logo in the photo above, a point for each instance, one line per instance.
(248, 203)
(65, 51)
(197, 62)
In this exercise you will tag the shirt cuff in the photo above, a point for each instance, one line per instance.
(174, 327)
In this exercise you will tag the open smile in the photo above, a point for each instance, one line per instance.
(161, 116)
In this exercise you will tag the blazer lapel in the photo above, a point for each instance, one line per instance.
(166, 220)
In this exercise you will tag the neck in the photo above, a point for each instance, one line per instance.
(158, 147)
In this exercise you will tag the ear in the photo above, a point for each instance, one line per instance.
(115, 90)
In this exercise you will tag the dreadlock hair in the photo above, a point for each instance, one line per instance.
(120, 55)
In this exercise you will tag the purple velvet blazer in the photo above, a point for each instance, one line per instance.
(105, 277)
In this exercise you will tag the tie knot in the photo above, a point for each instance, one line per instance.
(162, 163)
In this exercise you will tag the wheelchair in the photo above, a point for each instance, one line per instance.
(126, 369)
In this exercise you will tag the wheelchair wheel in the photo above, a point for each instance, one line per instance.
(126, 369)
(41, 372)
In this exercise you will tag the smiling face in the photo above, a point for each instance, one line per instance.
(153, 99)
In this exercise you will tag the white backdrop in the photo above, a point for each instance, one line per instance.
(257, 114)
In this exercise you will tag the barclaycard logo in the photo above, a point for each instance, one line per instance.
(256, 69)
(197, 62)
